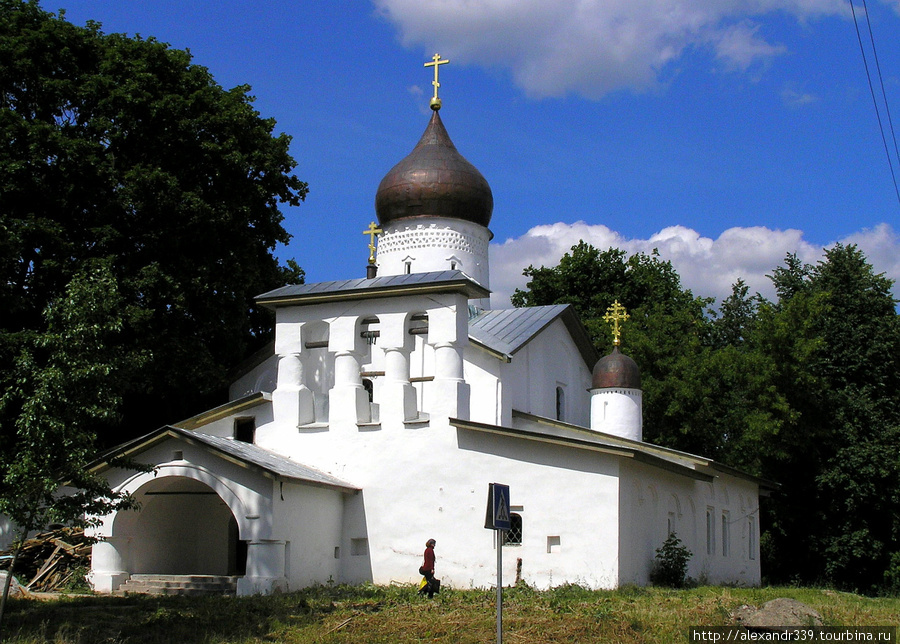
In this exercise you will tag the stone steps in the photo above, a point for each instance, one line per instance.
(150, 584)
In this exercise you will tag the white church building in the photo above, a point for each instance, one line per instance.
(386, 407)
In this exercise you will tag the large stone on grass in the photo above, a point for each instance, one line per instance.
(777, 615)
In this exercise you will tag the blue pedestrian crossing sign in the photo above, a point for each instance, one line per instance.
(497, 516)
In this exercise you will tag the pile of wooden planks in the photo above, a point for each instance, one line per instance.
(52, 561)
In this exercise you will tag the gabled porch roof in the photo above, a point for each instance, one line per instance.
(244, 454)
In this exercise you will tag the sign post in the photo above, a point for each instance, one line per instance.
(497, 519)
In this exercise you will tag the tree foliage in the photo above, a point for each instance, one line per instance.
(63, 384)
(802, 391)
(835, 332)
(139, 208)
(121, 149)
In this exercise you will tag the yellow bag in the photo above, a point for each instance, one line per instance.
(423, 583)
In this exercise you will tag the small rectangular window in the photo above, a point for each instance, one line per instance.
(553, 544)
(245, 429)
(560, 403)
(752, 538)
(359, 547)
(710, 531)
(725, 534)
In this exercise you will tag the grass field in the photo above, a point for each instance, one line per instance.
(396, 614)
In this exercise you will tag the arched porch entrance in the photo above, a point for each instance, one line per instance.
(183, 528)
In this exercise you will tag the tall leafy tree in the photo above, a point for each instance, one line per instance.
(118, 148)
(63, 383)
(835, 335)
(139, 208)
(802, 391)
(666, 331)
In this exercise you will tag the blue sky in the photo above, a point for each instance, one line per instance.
(724, 133)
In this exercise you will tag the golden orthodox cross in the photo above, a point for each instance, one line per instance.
(615, 314)
(436, 62)
(371, 231)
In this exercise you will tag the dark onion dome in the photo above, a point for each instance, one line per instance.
(434, 180)
(616, 370)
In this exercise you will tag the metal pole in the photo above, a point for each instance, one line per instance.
(499, 586)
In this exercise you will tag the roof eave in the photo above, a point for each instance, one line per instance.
(462, 285)
(614, 450)
(223, 411)
(700, 462)
(142, 443)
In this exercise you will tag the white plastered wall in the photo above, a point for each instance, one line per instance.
(483, 372)
(549, 360)
(310, 521)
(260, 378)
(224, 427)
(194, 537)
(430, 481)
(438, 244)
(653, 500)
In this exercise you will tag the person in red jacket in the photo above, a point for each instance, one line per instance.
(427, 569)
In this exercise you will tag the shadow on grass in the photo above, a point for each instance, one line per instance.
(140, 619)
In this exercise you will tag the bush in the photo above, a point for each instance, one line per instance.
(670, 566)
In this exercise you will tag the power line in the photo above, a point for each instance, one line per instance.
(887, 107)
(862, 51)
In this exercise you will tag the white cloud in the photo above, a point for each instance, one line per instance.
(741, 46)
(792, 97)
(592, 47)
(707, 266)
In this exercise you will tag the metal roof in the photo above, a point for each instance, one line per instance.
(231, 407)
(586, 441)
(246, 454)
(385, 286)
(508, 330)
(536, 428)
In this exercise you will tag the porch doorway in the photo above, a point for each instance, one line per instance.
(183, 528)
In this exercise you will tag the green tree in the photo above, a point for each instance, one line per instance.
(139, 208)
(835, 337)
(667, 334)
(120, 148)
(64, 383)
(802, 391)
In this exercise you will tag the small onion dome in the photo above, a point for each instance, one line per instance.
(434, 180)
(616, 370)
